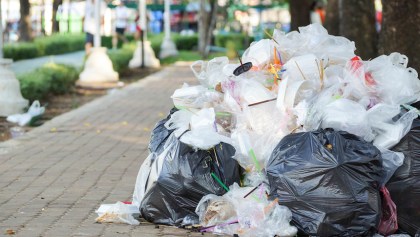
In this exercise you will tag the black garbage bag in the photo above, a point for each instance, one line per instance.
(404, 185)
(160, 134)
(186, 176)
(330, 182)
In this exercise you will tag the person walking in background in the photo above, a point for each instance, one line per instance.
(89, 24)
(121, 22)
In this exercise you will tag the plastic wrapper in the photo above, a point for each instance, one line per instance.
(349, 116)
(186, 176)
(316, 40)
(394, 84)
(404, 185)
(389, 134)
(329, 180)
(246, 212)
(258, 53)
(117, 213)
(195, 97)
(209, 74)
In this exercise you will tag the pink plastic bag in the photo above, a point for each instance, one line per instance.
(388, 224)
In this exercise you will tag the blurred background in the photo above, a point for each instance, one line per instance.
(376, 26)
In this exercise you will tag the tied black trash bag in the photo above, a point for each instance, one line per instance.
(404, 185)
(330, 182)
(186, 176)
(160, 134)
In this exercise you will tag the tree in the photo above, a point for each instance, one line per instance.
(55, 23)
(206, 24)
(357, 23)
(401, 29)
(332, 18)
(25, 29)
(300, 13)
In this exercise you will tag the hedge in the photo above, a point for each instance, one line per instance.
(239, 40)
(53, 45)
(50, 78)
(121, 57)
(20, 51)
(60, 43)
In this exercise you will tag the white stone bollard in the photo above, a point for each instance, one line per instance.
(150, 59)
(11, 100)
(98, 71)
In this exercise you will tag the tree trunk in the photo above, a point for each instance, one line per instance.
(300, 13)
(401, 29)
(357, 23)
(206, 24)
(25, 28)
(332, 18)
(55, 23)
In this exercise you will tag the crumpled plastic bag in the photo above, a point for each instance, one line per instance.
(186, 175)
(245, 211)
(195, 97)
(349, 116)
(329, 180)
(315, 39)
(404, 186)
(117, 213)
(197, 129)
(210, 73)
(23, 119)
(394, 83)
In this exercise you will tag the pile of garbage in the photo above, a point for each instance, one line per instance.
(302, 136)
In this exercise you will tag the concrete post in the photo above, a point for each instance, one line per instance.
(168, 47)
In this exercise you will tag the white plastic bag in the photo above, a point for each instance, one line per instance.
(209, 74)
(117, 213)
(349, 116)
(23, 119)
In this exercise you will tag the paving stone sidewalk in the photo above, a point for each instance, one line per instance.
(54, 178)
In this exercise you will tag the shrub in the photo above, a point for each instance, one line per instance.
(189, 42)
(34, 86)
(18, 51)
(62, 76)
(120, 58)
(50, 78)
(239, 40)
(60, 43)
(106, 41)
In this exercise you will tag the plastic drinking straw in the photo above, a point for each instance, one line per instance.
(204, 229)
(220, 182)
(262, 102)
(254, 158)
(246, 195)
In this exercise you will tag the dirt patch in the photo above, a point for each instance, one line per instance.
(59, 104)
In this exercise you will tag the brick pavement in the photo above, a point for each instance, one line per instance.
(55, 177)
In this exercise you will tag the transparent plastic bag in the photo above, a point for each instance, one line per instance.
(202, 132)
(210, 73)
(249, 213)
(259, 53)
(349, 116)
(389, 134)
(190, 97)
(394, 84)
(117, 213)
